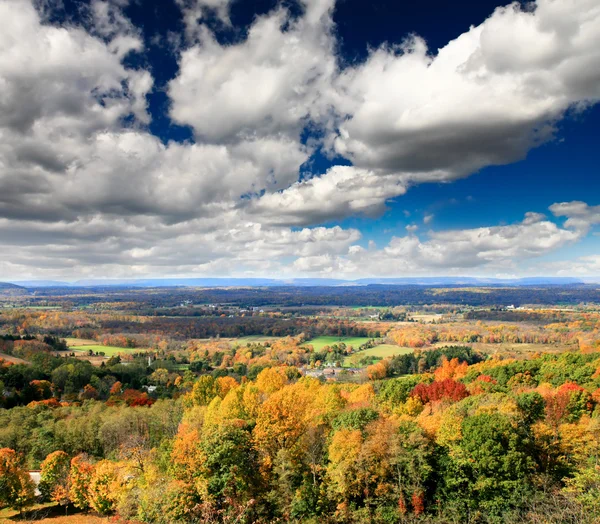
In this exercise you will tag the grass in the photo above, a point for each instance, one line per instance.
(50, 513)
(320, 342)
(109, 351)
(255, 339)
(381, 351)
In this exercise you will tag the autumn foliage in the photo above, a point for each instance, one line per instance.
(446, 389)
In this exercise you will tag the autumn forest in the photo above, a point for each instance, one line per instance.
(158, 406)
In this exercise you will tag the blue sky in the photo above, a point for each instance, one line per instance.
(299, 138)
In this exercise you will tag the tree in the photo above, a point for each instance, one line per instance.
(17, 490)
(270, 380)
(54, 477)
(204, 391)
(229, 466)
(488, 469)
(444, 389)
(105, 487)
(80, 476)
(116, 388)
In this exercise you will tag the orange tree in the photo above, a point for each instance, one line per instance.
(17, 490)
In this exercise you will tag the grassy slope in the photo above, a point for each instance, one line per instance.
(14, 360)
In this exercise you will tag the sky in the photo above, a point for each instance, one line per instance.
(299, 138)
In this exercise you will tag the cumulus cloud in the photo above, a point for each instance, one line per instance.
(483, 249)
(272, 83)
(485, 98)
(343, 191)
(579, 215)
(196, 11)
(84, 184)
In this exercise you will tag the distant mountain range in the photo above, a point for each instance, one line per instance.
(303, 282)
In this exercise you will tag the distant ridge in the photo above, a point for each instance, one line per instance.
(304, 282)
(7, 288)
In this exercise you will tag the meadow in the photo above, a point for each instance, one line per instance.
(381, 351)
(108, 351)
(319, 343)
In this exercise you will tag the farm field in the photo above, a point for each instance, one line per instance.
(319, 343)
(109, 351)
(381, 351)
(80, 342)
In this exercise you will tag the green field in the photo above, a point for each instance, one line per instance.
(109, 351)
(320, 342)
(255, 339)
(382, 351)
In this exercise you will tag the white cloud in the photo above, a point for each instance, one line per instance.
(196, 11)
(483, 250)
(486, 98)
(343, 191)
(84, 184)
(269, 84)
(579, 215)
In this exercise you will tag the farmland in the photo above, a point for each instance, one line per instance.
(378, 352)
(319, 343)
(234, 376)
(109, 351)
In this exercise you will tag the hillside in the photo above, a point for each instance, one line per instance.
(11, 289)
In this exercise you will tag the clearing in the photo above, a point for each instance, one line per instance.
(381, 351)
(108, 351)
(320, 342)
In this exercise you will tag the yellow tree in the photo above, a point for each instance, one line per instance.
(342, 469)
(270, 380)
(16, 487)
(54, 477)
(204, 391)
(224, 385)
(105, 487)
(281, 421)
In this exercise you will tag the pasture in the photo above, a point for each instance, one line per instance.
(381, 351)
(319, 343)
(108, 351)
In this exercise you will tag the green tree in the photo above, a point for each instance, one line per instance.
(488, 470)
(54, 477)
